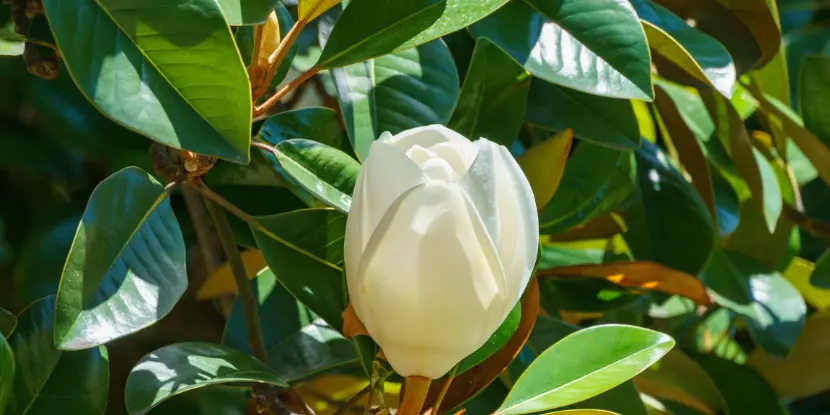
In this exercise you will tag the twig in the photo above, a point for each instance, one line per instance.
(303, 404)
(250, 306)
(437, 406)
(273, 99)
(345, 407)
(201, 225)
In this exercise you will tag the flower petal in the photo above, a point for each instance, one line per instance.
(431, 289)
(386, 174)
(428, 136)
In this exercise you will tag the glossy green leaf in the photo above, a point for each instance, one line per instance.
(814, 92)
(493, 97)
(393, 93)
(127, 266)
(597, 47)
(596, 180)
(318, 124)
(246, 12)
(821, 274)
(307, 258)
(280, 315)
(679, 46)
(315, 348)
(6, 372)
(604, 121)
(745, 391)
(11, 44)
(668, 222)
(181, 367)
(181, 84)
(370, 28)
(773, 309)
(325, 172)
(606, 356)
(8, 322)
(46, 378)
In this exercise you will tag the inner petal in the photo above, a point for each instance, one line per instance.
(458, 157)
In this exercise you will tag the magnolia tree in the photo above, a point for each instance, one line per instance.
(413, 206)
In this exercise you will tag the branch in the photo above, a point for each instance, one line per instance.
(276, 58)
(273, 99)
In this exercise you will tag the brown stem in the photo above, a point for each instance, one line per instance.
(257, 46)
(345, 407)
(276, 58)
(205, 235)
(417, 388)
(437, 406)
(273, 99)
(250, 306)
(814, 227)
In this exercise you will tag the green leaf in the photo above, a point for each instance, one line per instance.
(8, 322)
(307, 258)
(814, 94)
(588, 362)
(622, 398)
(668, 222)
(46, 378)
(246, 12)
(11, 44)
(393, 93)
(544, 164)
(318, 124)
(325, 172)
(370, 28)
(599, 120)
(498, 339)
(182, 84)
(493, 97)
(127, 266)
(210, 400)
(310, 9)
(280, 315)
(678, 375)
(821, 274)
(745, 391)
(679, 46)
(315, 348)
(181, 367)
(802, 42)
(745, 287)
(596, 180)
(597, 47)
(6, 372)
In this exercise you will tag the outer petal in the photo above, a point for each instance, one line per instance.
(431, 290)
(518, 223)
(386, 174)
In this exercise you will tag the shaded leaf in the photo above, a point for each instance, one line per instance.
(370, 28)
(8, 322)
(680, 379)
(315, 348)
(182, 85)
(396, 92)
(181, 367)
(745, 392)
(609, 355)
(127, 266)
(646, 275)
(821, 274)
(814, 92)
(6, 372)
(596, 47)
(318, 124)
(246, 12)
(544, 165)
(493, 97)
(46, 378)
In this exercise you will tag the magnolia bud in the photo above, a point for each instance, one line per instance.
(270, 40)
(440, 243)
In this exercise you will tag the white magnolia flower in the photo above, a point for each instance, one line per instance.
(440, 244)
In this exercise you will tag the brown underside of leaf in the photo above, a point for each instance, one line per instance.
(352, 326)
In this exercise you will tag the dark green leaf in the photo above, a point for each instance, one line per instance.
(821, 274)
(280, 315)
(679, 46)
(596, 47)
(210, 400)
(8, 322)
(181, 84)
(370, 28)
(257, 201)
(772, 308)
(599, 120)
(308, 257)
(260, 172)
(606, 356)
(127, 266)
(325, 172)
(806, 41)
(393, 93)
(814, 91)
(745, 391)
(245, 41)
(596, 180)
(315, 348)
(6, 372)
(318, 124)
(493, 97)
(246, 12)
(181, 367)
(668, 222)
(49, 381)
